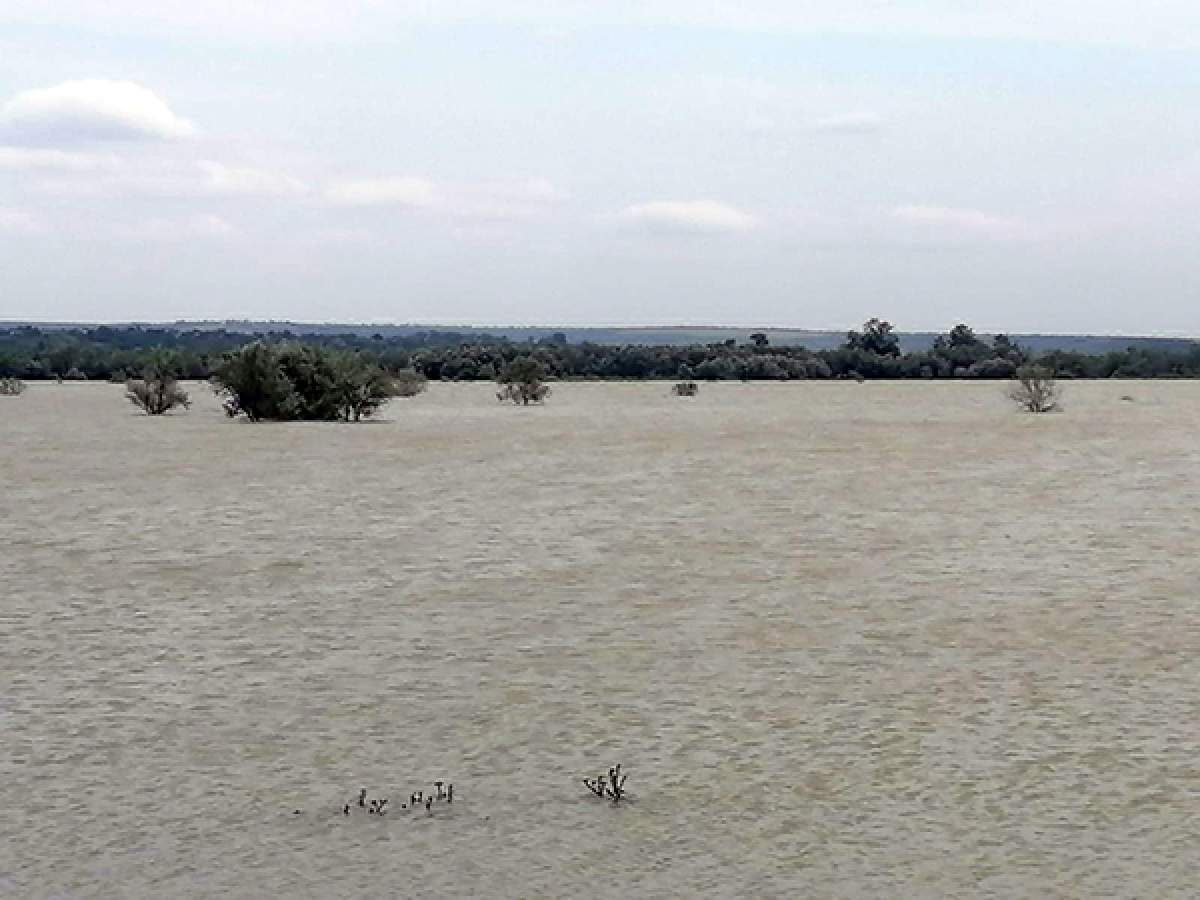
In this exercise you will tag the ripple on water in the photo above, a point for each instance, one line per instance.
(848, 640)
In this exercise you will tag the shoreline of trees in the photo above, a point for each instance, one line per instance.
(872, 352)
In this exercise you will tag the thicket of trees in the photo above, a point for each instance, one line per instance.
(301, 381)
(870, 352)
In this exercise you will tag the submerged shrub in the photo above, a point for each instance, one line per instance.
(610, 786)
(1036, 391)
(685, 389)
(522, 394)
(360, 386)
(11, 387)
(253, 385)
(300, 382)
(158, 390)
(156, 394)
(522, 382)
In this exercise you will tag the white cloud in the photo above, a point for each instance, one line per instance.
(415, 193)
(222, 179)
(486, 200)
(89, 110)
(76, 176)
(47, 159)
(689, 215)
(183, 229)
(18, 221)
(953, 220)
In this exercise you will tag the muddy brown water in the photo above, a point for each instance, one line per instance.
(879, 640)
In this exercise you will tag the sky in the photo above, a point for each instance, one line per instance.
(1032, 165)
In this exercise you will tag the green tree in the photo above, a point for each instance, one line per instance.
(1005, 347)
(522, 382)
(253, 384)
(878, 337)
(301, 381)
(157, 391)
(361, 386)
(960, 350)
(407, 383)
(1036, 390)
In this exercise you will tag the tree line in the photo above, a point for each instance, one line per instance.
(873, 351)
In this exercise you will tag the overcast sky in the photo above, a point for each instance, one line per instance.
(809, 163)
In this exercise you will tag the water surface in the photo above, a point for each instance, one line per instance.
(848, 641)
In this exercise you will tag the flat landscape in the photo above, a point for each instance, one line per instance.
(848, 640)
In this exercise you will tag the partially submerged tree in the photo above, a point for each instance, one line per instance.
(362, 387)
(11, 387)
(1035, 391)
(685, 389)
(522, 382)
(156, 394)
(157, 391)
(301, 382)
(252, 384)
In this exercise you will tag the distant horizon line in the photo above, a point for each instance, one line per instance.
(450, 326)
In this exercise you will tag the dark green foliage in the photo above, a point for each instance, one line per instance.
(873, 352)
(522, 382)
(407, 383)
(877, 338)
(361, 387)
(300, 381)
(253, 384)
(962, 354)
(158, 390)
(156, 396)
(996, 367)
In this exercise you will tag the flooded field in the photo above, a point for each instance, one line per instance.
(879, 640)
